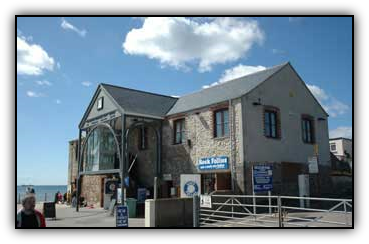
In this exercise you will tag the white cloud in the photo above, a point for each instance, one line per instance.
(86, 83)
(236, 72)
(32, 59)
(68, 26)
(343, 131)
(332, 106)
(335, 107)
(180, 42)
(318, 92)
(43, 83)
(34, 94)
(58, 101)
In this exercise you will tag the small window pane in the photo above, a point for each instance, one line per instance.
(225, 113)
(274, 134)
(219, 130)
(272, 118)
(226, 129)
(267, 119)
(218, 118)
(178, 137)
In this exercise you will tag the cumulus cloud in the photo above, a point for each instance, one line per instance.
(86, 83)
(68, 26)
(32, 59)
(236, 72)
(319, 93)
(34, 94)
(181, 42)
(43, 83)
(343, 131)
(333, 106)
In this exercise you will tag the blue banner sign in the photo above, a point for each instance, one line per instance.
(263, 178)
(213, 163)
(122, 216)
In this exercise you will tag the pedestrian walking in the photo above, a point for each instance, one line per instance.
(28, 216)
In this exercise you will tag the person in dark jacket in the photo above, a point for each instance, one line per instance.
(28, 216)
(56, 197)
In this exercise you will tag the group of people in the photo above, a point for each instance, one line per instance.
(29, 217)
(59, 198)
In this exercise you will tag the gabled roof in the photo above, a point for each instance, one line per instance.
(140, 102)
(340, 138)
(223, 92)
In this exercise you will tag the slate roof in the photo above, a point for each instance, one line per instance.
(223, 92)
(140, 102)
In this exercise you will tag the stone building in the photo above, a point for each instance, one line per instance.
(266, 118)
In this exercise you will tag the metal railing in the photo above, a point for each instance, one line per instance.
(273, 211)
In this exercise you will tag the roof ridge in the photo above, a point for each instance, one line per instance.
(131, 89)
(341, 137)
(238, 78)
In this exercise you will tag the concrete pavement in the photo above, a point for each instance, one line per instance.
(86, 217)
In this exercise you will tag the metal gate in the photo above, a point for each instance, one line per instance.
(271, 211)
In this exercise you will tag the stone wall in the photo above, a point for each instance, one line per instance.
(91, 189)
(72, 163)
(200, 142)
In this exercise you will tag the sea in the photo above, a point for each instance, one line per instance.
(44, 193)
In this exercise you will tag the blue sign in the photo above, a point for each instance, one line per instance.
(213, 163)
(141, 195)
(262, 177)
(191, 188)
(122, 216)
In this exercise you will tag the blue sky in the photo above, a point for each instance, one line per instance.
(60, 62)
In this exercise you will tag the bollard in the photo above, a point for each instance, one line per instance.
(196, 211)
(45, 196)
(280, 218)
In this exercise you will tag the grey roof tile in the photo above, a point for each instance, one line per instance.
(223, 92)
(140, 102)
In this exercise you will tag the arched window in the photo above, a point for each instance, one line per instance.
(101, 153)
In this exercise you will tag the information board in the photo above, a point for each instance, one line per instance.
(190, 185)
(122, 216)
(49, 210)
(262, 178)
(213, 163)
(205, 201)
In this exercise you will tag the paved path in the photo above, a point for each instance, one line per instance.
(68, 217)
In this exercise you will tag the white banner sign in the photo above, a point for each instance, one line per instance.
(205, 201)
(190, 185)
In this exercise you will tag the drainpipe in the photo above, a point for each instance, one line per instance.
(231, 132)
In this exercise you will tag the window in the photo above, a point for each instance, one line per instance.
(271, 123)
(333, 147)
(101, 151)
(179, 131)
(143, 138)
(221, 123)
(100, 103)
(307, 129)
